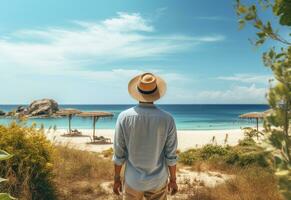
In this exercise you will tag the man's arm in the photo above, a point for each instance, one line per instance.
(172, 170)
(117, 187)
(119, 156)
(172, 183)
(117, 170)
(171, 156)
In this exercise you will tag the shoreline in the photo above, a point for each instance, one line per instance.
(186, 138)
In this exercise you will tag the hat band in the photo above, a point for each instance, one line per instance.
(147, 92)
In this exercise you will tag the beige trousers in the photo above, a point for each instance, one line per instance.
(155, 194)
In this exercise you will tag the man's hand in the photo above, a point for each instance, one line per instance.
(172, 186)
(117, 187)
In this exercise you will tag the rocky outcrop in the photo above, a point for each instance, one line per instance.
(38, 108)
(21, 110)
(2, 113)
(42, 107)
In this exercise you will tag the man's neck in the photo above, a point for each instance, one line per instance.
(150, 103)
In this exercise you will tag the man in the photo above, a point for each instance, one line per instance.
(146, 141)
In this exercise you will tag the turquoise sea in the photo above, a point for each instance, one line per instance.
(187, 117)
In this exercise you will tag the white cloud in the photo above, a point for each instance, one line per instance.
(247, 78)
(78, 59)
(237, 94)
(232, 95)
(54, 49)
(214, 38)
(128, 22)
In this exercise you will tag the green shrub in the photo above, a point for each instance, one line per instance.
(256, 157)
(244, 154)
(249, 153)
(30, 169)
(232, 158)
(212, 151)
(189, 157)
(247, 142)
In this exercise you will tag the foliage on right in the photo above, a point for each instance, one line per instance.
(277, 124)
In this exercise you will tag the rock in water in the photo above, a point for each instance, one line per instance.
(43, 107)
(2, 113)
(22, 110)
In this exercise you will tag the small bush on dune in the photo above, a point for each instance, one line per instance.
(248, 153)
(30, 169)
(211, 151)
(244, 154)
(189, 157)
(247, 142)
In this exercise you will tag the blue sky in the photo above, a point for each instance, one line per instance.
(87, 51)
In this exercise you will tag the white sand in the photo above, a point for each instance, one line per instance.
(186, 139)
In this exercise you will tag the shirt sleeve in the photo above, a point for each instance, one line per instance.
(171, 145)
(119, 155)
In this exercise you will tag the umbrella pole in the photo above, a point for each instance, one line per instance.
(70, 118)
(257, 124)
(94, 126)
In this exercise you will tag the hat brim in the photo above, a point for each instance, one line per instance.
(133, 90)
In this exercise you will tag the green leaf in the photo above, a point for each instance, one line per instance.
(241, 23)
(271, 53)
(261, 34)
(282, 172)
(283, 10)
(268, 28)
(250, 16)
(5, 196)
(260, 42)
(259, 24)
(4, 155)
(279, 55)
(242, 9)
(2, 180)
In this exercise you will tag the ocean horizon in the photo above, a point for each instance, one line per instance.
(187, 116)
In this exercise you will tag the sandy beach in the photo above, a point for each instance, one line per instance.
(186, 138)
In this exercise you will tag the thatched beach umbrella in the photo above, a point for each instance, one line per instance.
(254, 115)
(68, 112)
(95, 115)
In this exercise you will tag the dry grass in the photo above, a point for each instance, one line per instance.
(79, 174)
(249, 183)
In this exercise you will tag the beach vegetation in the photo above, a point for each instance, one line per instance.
(245, 154)
(247, 163)
(91, 174)
(29, 171)
(278, 58)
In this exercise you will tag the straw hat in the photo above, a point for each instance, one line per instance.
(147, 87)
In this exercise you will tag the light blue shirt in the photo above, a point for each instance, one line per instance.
(146, 140)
